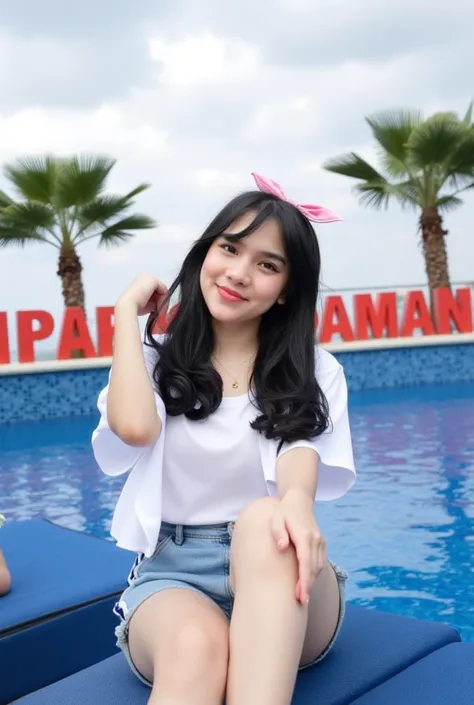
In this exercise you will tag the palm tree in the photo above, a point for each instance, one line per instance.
(426, 164)
(61, 202)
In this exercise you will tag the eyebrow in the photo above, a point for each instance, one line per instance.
(274, 256)
(264, 253)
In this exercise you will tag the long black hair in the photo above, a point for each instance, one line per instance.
(291, 403)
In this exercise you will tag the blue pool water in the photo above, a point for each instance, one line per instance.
(405, 532)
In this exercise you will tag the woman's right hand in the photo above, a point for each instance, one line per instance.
(146, 293)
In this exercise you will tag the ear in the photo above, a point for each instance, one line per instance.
(281, 300)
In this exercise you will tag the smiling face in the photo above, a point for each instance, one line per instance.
(242, 279)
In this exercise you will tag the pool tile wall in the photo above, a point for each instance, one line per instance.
(59, 394)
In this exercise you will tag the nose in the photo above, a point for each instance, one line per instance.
(238, 272)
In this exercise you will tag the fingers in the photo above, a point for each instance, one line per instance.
(311, 555)
(279, 532)
(303, 554)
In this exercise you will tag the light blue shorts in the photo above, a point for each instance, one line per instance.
(195, 558)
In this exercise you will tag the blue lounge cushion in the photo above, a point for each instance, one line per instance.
(445, 677)
(372, 647)
(58, 617)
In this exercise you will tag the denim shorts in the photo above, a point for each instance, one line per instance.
(195, 558)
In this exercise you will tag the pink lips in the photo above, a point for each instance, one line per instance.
(230, 294)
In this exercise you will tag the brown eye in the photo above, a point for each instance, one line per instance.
(228, 248)
(271, 267)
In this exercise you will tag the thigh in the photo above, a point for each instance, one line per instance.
(177, 626)
(324, 611)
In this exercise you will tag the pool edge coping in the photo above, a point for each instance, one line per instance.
(43, 366)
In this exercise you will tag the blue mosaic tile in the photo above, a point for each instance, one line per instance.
(408, 367)
(47, 395)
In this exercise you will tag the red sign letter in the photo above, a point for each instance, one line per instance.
(75, 335)
(379, 317)
(416, 315)
(26, 336)
(342, 324)
(4, 340)
(105, 330)
(164, 320)
(450, 310)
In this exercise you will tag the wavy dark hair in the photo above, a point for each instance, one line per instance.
(291, 403)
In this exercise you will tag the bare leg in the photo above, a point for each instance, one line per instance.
(268, 631)
(5, 577)
(178, 640)
(323, 615)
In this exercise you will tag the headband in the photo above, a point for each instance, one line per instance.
(318, 214)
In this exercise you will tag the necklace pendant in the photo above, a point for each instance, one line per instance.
(235, 385)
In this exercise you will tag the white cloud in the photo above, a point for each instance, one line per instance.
(205, 58)
(63, 131)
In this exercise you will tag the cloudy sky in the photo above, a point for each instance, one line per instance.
(193, 95)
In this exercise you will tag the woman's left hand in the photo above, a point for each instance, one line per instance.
(294, 523)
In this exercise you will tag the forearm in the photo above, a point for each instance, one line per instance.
(131, 407)
(297, 472)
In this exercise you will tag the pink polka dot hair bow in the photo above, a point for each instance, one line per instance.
(318, 214)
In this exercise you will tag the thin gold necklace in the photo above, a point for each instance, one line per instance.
(235, 383)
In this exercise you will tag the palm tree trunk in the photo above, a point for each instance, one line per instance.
(70, 273)
(435, 252)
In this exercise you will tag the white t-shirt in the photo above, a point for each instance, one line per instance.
(139, 510)
(212, 468)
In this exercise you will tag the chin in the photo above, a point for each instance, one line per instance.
(220, 314)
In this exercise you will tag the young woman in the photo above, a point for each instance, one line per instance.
(231, 424)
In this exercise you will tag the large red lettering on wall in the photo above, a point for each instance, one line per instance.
(335, 321)
(453, 312)
(377, 317)
(163, 320)
(374, 317)
(105, 330)
(416, 316)
(28, 333)
(75, 336)
(4, 340)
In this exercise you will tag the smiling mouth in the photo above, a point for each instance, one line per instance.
(230, 294)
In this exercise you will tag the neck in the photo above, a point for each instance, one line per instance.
(235, 340)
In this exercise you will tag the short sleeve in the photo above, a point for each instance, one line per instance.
(336, 472)
(114, 456)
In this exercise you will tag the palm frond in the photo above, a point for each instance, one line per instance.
(460, 162)
(467, 119)
(15, 237)
(392, 130)
(408, 194)
(117, 232)
(34, 178)
(5, 200)
(31, 215)
(379, 194)
(391, 165)
(81, 179)
(134, 192)
(448, 203)
(353, 166)
(100, 211)
(433, 142)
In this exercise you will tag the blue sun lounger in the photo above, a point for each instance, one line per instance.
(58, 630)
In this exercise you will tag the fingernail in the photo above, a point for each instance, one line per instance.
(281, 543)
(306, 600)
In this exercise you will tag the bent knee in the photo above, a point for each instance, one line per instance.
(256, 516)
(253, 538)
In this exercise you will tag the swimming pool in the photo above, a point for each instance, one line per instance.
(405, 532)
